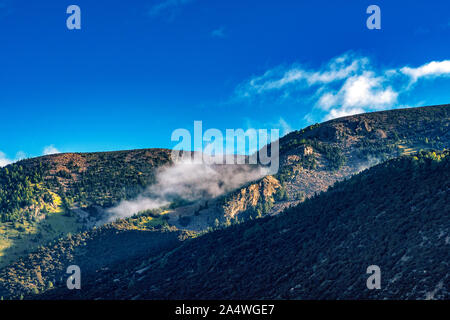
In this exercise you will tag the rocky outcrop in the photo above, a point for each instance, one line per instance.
(249, 197)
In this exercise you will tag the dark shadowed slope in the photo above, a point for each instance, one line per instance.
(93, 251)
(394, 215)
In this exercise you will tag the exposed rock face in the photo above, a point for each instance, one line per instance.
(307, 150)
(293, 158)
(364, 127)
(250, 196)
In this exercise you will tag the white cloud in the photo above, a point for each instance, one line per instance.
(431, 69)
(285, 127)
(4, 161)
(20, 155)
(358, 92)
(50, 150)
(346, 85)
(296, 77)
(338, 69)
(343, 112)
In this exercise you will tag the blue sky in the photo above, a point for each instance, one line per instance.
(138, 70)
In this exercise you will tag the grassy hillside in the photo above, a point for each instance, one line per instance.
(394, 215)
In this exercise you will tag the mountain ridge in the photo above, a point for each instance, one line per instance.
(313, 158)
(63, 196)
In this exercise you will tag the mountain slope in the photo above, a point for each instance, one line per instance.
(311, 159)
(394, 215)
(41, 198)
(94, 250)
(101, 178)
(314, 158)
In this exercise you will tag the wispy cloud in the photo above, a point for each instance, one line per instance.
(4, 160)
(431, 69)
(218, 33)
(346, 85)
(167, 7)
(50, 150)
(285, 127)
(21, 155)
(295, 77)
(358, 93)
(187, 180)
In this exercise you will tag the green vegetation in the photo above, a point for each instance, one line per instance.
(296, 138)
(120, 242)
(395, 215)
(281, 194)
(36, 194)
(22, 194)
(332, 153)
(261, 209)
(17, 239)
(153, 219)
(34, 187)
(106, 178)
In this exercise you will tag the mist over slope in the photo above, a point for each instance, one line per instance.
(394, 215)
(189, 181)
